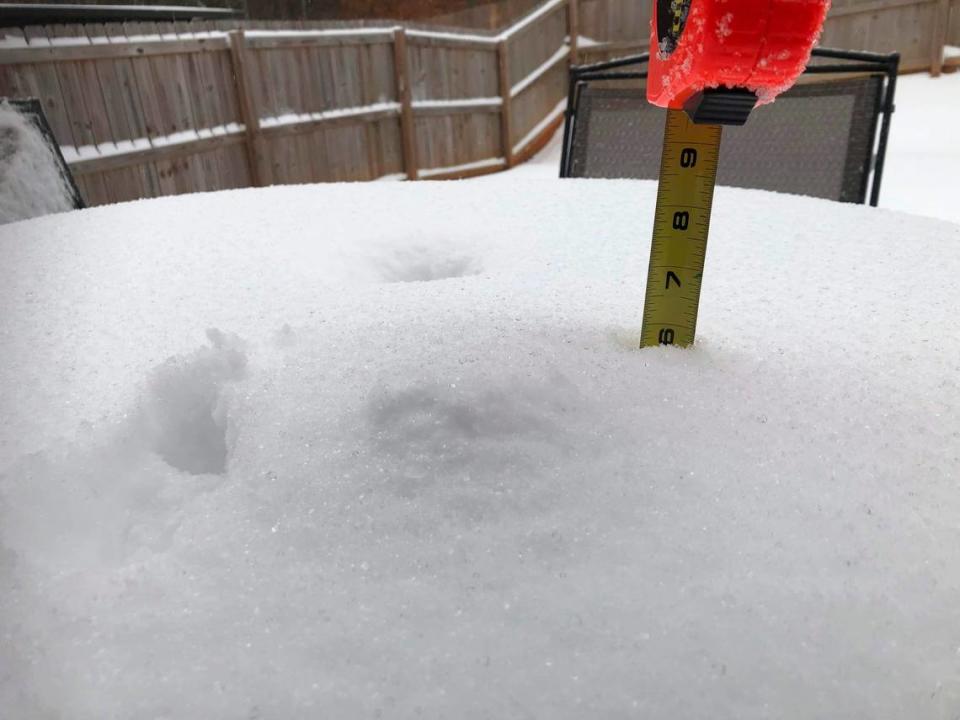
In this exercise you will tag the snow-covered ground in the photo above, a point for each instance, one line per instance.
(389, 450)
(922, 173)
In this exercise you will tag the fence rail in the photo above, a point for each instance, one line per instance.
(148, 109)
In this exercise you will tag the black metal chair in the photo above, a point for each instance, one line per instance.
(818, 138)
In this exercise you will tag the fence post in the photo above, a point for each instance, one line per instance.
(573, 28)
(506, 110)
(401, 73)
(248, 107)
(939, 39)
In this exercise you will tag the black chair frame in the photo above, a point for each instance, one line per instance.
(850, 62)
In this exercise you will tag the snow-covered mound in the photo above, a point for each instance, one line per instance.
(391, 451)
(31, 182)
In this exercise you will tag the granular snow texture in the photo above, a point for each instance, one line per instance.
(30, 180)
(390, 451)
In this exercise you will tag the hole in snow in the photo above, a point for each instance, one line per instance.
(424, 265)
(186, 413)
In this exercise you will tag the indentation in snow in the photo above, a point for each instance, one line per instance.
(185, 413)
(423, 264)
(462, 441)
(107, 496)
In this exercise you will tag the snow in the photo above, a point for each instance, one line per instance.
(389, 450)
(465, 167)
(723, 29)
(386, 32)
(297, 118)
(87, 152)
(921, 174)
(454, 36)
(506, 34)
(31, 183)
(458, 103)
(15, 41)
(527, 20)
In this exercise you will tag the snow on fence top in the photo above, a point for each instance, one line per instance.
(310, 104)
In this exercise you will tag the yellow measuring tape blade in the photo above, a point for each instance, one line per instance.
(688, 173)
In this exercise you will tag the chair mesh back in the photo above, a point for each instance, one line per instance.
(816, 139)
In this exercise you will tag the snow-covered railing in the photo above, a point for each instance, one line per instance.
(298, 119)
(147, 109)
(472, 168)
(88, 159)
(446, 107)
(15, 51)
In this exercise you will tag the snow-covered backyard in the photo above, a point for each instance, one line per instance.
(390, 450)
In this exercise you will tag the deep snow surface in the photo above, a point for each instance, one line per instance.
(388, 450)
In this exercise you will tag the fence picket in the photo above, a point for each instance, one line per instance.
(250, 113)
(401, 71)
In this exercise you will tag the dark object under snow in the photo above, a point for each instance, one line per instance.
(31, 109)
(817, 138)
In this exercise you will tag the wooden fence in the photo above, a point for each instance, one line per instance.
(918, 29)
(144, 110)
(487, 15)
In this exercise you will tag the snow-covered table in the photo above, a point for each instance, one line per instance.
(388, 450)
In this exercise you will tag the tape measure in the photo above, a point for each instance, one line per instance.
(711, 63)
(681, 222)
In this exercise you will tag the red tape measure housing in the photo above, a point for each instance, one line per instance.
(760, 45)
